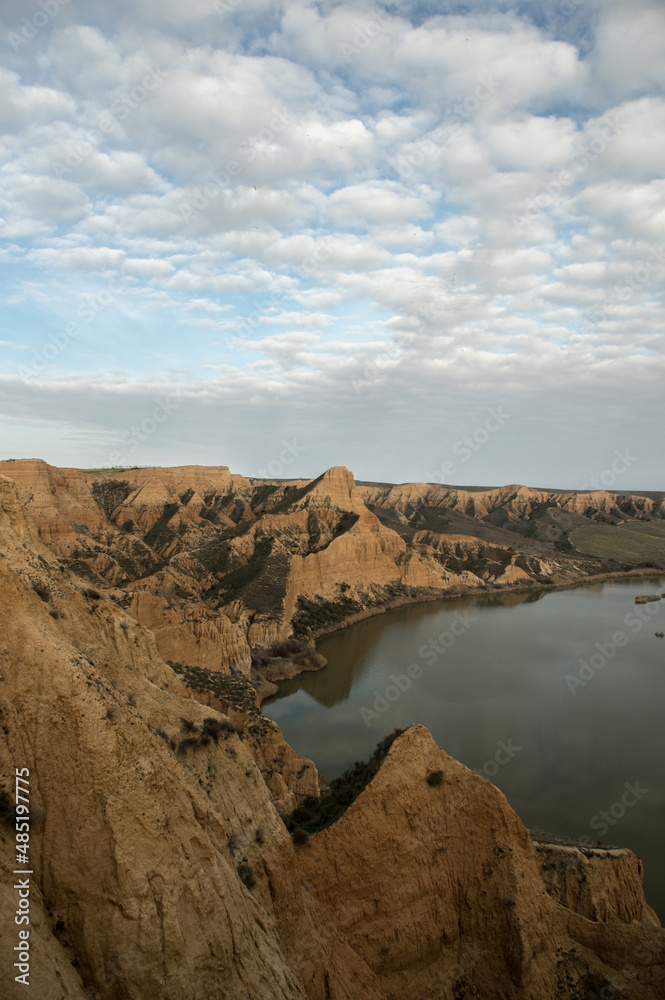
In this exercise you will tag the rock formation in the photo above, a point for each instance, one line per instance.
(162, 870)
(216, 565)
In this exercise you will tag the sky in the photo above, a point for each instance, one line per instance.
(422, 240)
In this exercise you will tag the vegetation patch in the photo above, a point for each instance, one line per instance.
(318, 615)
(41, 590)
(235, 691)
(160, 536)
(246, 875)
(110, 493)
(626, 543)
(295, 650)
(317, 814)
(261, 582)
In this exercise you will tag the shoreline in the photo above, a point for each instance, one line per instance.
(289, 671)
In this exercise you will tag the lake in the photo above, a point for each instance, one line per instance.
(556, 697)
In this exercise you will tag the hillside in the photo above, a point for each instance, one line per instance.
(216, 565)
(162, 869)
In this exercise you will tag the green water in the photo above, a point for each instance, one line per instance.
(504, 695)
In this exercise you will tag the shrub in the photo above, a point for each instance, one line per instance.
(246, 875)
(317, 814)
(300, 837)
(235, 840)
(7, 810)
(188, 726)
(435, 778)
(41, 590)
(93, 594)
(184, 745)
(167, 739)
(213, 728)
(260, 835)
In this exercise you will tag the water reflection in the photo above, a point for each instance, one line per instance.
(504, 679)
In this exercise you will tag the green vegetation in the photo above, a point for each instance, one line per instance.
(317, 615)
(295, 650)
(162, 534)
(317, 814)
(246, 875)
(235, 691)
(104, 472)
(41, 590)
(629, 543)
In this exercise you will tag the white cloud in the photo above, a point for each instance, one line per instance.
(381, 187)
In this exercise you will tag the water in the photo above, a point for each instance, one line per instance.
(498, 700)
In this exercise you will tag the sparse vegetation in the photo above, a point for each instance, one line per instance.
(300, 837)
(260, 836)
(435, 778)
(41, 590)
(317, 814)
(246, 875)
(7, 810)
(235, 691)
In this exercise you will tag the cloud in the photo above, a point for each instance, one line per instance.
(335, 217)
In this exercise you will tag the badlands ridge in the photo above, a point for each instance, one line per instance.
(139, 607)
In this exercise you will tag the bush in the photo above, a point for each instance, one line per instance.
(317, 814)
(93, 594)
(41, 590)
(246, 875)
(188, 726)
(300, 837)
(302, 653)
(214, 728)
(435, 778)
(7, 810)
(260, 835)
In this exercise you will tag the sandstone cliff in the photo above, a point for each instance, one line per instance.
(216, 565)
(163, 871)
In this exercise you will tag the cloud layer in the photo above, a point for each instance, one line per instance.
(349, 226)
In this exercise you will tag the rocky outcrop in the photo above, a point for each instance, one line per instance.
(437, 914)
(601, 885)
(161, 869)
(216, 565)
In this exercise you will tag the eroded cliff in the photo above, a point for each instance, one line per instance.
(163, 871)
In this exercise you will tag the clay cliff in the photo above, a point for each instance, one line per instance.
(162, 869)
(216, 565)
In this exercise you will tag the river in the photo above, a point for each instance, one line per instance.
(557, 697)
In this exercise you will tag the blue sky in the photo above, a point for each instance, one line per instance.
(351, 228)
